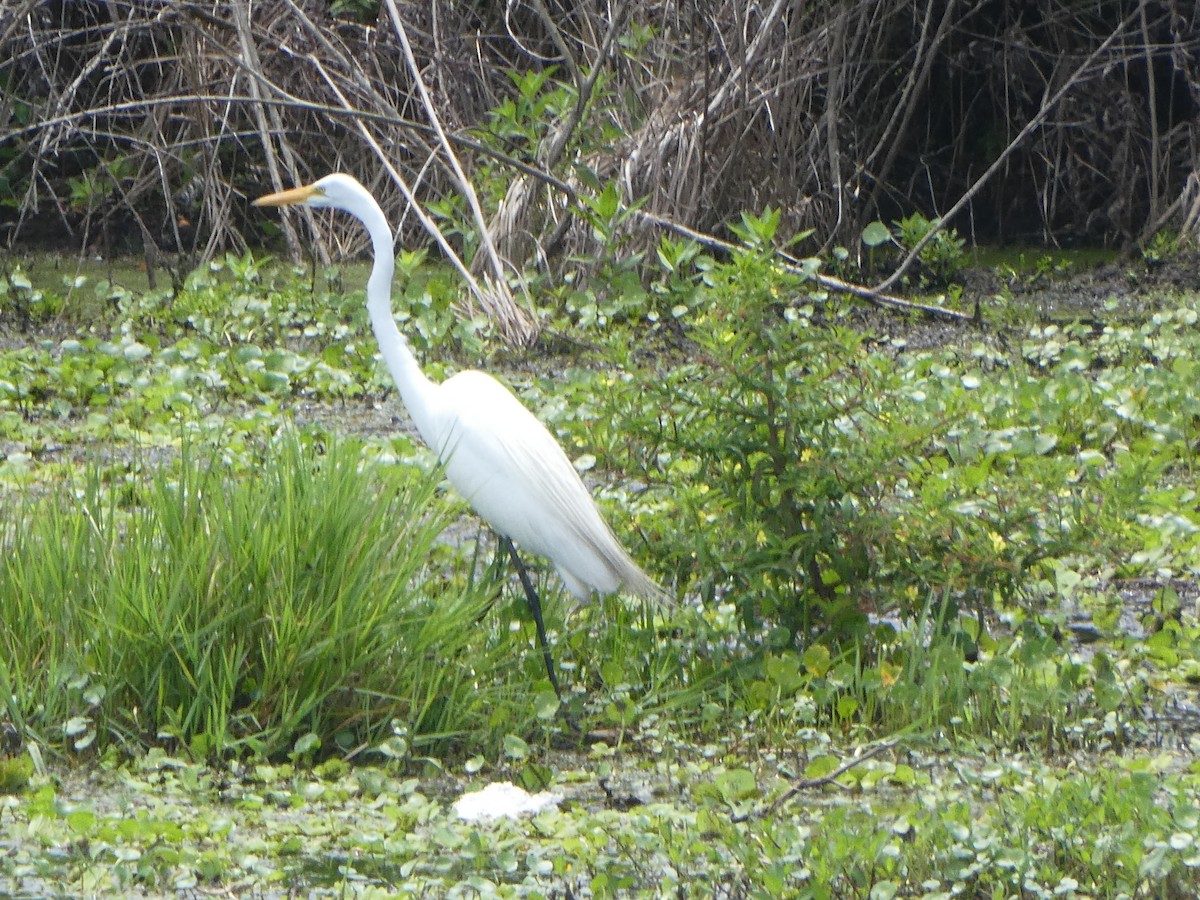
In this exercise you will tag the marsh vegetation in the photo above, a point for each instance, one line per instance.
(936, 629)
(229, 570)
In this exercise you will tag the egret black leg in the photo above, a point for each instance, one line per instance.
(535, 607)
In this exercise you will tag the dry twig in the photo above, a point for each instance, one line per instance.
(800, 785)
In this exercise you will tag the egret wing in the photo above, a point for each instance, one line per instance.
(511, 469)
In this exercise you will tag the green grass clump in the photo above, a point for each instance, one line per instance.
(231, 614)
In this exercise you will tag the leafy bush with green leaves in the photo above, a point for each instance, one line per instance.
(813, 479)
(779, 444)
(942, 257)
(22, 301)
(1163, 246)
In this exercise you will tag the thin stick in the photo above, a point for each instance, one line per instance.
(804, 784)
(583, 86)
(518, 197)
(250, 61)
(518, 325)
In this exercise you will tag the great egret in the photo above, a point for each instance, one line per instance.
(503, 461)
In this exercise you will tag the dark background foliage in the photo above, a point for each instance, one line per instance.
(131, 124)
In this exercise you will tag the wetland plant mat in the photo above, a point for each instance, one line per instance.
(984, 690)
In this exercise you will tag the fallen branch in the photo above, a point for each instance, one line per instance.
(871, 295)
(807, 784)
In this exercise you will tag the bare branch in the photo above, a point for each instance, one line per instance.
(826, 281)
(516, 324)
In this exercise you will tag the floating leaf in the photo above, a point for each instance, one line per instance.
(876, 233)
(545, 705)
(737, 784)
(515, 747)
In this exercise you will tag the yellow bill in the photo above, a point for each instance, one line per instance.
(288, 197)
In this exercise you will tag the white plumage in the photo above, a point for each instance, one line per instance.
(518, 479)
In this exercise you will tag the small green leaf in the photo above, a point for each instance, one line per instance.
(903, 775)
(394, 747)
(821, 766)
(307, 743)
(515, 747)
(81, 820)
(876, 233)
(545, 705)
(612, 672)
(846, 707)
(94, 695)
(136, 352)
(737, 784)
(817, 659)
(534, 777)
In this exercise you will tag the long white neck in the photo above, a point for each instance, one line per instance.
(416, 390)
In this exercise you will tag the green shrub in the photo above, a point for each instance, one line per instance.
(943, 257)
(779, 444)
(21, 301)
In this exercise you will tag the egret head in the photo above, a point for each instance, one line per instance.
(335, 191)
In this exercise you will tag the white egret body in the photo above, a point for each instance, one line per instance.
(503, 461)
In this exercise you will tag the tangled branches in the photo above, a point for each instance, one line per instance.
(139, 124)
